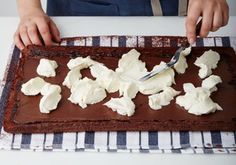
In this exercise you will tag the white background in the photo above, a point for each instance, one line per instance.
(8, 7)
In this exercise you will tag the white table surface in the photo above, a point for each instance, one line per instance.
(84, 26)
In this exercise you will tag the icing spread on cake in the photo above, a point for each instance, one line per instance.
(158, 82)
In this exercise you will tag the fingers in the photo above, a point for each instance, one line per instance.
(217, 21)
(33, 34)
(24, 36)
(190, 24)
(207, 20)
(54, 31)
(18, 41)
(225, 14)
(219, 18)
(44, 31)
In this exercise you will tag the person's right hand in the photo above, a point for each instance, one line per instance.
(215, 14)
(37, 28)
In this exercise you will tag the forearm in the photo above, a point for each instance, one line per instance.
(27, 6)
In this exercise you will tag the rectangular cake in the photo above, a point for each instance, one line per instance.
(22, 112)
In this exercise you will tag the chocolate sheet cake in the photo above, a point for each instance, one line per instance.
(23, 115)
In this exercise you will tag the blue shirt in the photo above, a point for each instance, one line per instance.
(116, 7)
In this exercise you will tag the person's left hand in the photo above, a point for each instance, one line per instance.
(37, 28)
(215, 14)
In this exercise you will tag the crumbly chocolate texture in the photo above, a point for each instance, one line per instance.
(23, 115)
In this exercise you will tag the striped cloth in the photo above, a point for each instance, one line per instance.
(140, 141)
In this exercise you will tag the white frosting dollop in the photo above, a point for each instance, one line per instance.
(98, 70)
(158, 82)
(51, 97)
(86, 91)
(182, 65)
(51, 93)
(72, 76)
(50, 88)
(80, 63)
(105, 77)
(163, 98)
(197, 101)
(187, 51)
(33, 86)
(123, 105)
(47, 68)
(75, 66)
(128, 89)
(211, 82)
(130, 67)
(207, 62)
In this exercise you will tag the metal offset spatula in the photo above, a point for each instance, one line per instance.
(174, 59)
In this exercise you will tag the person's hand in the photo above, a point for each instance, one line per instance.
(37, 28)
(215, 14)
